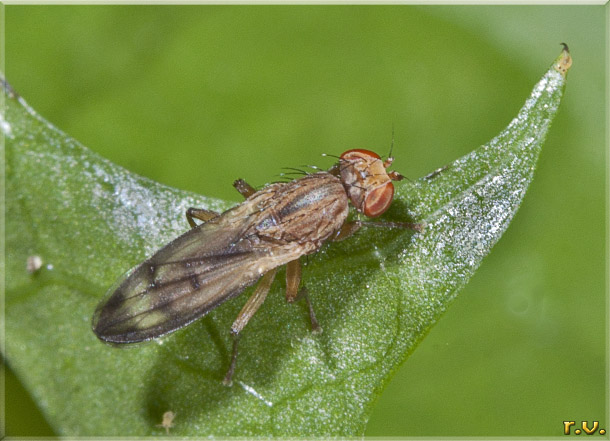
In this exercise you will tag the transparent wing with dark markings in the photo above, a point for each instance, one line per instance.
(188, 278)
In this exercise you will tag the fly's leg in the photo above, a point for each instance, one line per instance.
(349, 228)
(244, 189)
(244, 316)
(417, 226)
(436, 172)
(315, 326)
(293, 279)
(199, 213)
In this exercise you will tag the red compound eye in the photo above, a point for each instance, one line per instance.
(360, 153)
(378, 200)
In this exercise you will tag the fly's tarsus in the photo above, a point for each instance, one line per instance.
(244, 316)
(201, 214)
(436, 172)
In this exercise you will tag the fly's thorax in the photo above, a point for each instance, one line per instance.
(310, 209)
(367, 182)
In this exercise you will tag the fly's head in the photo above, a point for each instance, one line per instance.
(367, 182)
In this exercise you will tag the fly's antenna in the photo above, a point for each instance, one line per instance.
(390, 155)
(392, 145)
(407, 178)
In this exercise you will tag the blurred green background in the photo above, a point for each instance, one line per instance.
(196, 96)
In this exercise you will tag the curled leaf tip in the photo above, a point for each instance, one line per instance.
(7, 88)
(564, 61)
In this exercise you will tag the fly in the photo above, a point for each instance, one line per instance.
(228, 252)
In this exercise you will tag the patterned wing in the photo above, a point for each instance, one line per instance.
(189, 277)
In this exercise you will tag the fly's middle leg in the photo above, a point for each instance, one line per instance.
(349, 228)
(244, 189)
(293, 280)
(199, 213)
(244, 316)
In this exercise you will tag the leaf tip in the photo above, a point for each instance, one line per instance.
(564, 61)
(7, 88)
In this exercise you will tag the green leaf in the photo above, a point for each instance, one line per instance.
(376, 295)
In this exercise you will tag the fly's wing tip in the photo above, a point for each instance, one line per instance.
(108, 330)
(102, 330)
(96, 326)
(115, 336)
(110, 327)
(106, 322)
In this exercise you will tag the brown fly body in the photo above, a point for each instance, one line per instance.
(218, 259)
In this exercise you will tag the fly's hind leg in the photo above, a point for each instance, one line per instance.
(293, 280)
(199, 213)
(244, 189)
(349, 228)
(244, 316)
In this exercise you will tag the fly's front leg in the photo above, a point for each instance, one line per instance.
(436, 172)
(244, 316)
(293, 280)
(418, 226)
(244, 189)
(349, 228)
(199, 213)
